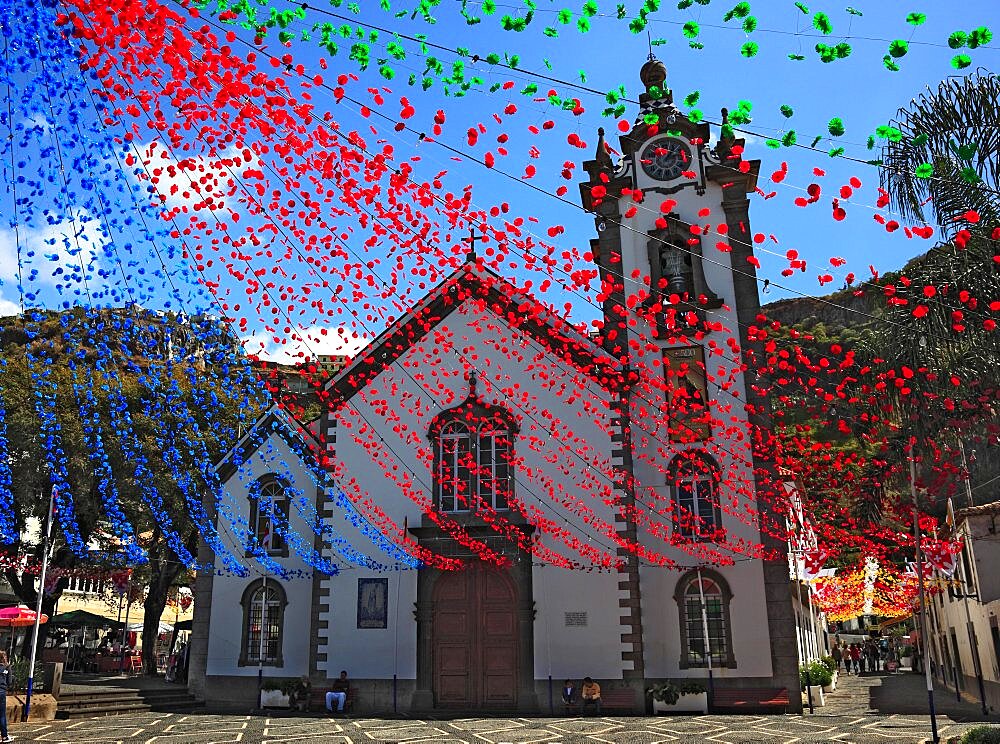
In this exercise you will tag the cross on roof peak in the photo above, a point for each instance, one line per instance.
(472, 240)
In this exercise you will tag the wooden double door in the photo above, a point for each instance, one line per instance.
(475, 639)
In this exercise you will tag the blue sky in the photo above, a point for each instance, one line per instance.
(858, 89)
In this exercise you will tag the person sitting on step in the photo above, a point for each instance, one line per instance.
(338, 693)
(590, 693)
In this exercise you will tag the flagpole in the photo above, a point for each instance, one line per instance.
(266, 541)
(38, 605)
(924, 624)
(260, 653)
(812, 618)
(973, 640)
(708, 642)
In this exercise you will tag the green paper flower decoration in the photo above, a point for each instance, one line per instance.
(836, 126)
(788, 139)
(924, 170)
(750, 49)
(916, 19)
(890, 64)
(958, 40)
(961, 61)
(691, 30)
(787, 111)
(980, 37)
(898, 48)
(821, 22)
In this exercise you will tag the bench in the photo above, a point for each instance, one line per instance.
(622, 699)
(751, 699)
(317, 698)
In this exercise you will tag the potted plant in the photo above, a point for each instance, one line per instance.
(906, 656)
(813, 677)
(685, 697)
(831, 666)
(276, 693)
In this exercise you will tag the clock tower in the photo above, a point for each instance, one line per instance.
(679, 292)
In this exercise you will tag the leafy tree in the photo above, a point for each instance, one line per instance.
(119, 356)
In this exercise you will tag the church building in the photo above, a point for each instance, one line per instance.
(570, 430)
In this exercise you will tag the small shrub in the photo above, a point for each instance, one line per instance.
(285, 686)
(982, 735)
(19, 671)
(815, 674)
(829, 663)
(670, 693)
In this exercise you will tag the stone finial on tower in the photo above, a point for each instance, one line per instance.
(653, 73)
(602, 156)
(727, 137)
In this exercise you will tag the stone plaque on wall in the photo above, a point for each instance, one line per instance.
(576, 619)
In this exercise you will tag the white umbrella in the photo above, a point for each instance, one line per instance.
(164, 627)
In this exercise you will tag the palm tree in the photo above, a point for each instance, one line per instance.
(941, 166)
(948, 155)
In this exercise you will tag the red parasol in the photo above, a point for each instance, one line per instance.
(18, 617)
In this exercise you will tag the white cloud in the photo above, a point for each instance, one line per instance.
(8, 308)
(52, 254)
(190, 182)
(317, 340)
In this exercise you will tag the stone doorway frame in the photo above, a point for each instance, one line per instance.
(429, 535)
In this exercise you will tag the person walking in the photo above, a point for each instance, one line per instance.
(856, 658)
(873, 656)
(837, 654)
(6, 682)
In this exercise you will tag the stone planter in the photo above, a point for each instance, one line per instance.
(817, 696)
(694, 703)
(274, 699)
(832, 686)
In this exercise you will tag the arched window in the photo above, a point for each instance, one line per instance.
(494, 471)
(263, 623)
(695, 649)
(271, 498)
(454, 470)
(694, 479)
(473, 449)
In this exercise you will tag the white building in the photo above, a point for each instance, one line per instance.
(477, 350)
(966, 615)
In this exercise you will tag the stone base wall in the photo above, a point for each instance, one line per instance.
(43, 707)
(374, 697)
(970, 689)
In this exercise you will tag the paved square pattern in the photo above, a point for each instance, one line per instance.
(872, 709)
(176, 728)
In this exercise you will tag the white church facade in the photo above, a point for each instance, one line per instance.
(476, 368)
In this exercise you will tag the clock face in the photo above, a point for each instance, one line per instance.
(666, 159)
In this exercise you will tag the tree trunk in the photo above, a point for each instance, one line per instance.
(164, 569)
